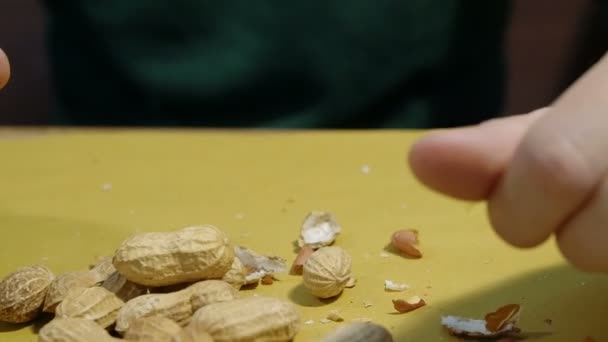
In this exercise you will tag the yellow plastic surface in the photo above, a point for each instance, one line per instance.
(68, 196)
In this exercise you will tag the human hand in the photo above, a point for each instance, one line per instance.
(541, 173)
(5, 69)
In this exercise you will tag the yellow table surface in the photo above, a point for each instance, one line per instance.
(68, 196)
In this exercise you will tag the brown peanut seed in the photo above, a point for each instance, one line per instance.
(406, 241)
(303, 255)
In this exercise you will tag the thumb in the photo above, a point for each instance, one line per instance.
(466, 162)
(5, 69)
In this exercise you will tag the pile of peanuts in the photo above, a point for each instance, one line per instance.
(178, 286)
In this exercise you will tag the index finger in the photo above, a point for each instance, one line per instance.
(5, 69)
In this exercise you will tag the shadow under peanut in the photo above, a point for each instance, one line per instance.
(300, 295)
(34, 325)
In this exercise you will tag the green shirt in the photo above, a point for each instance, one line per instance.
(276, 63)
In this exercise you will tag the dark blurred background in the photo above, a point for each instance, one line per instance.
(549, 44)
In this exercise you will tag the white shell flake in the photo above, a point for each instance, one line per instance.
(389, 285)
(319, 229)
(473, 327)
(259, 265)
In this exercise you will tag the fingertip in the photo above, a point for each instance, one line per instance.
(5, 69)
(447, 161)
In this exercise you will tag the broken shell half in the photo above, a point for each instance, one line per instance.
(498, 323)
(473, 327)
(257, 266)
(407, 305)
(319, 229)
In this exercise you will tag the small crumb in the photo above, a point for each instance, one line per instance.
(384, 255)
(255, 295)
(239, 216)
(428, 287)
(309, 322)
(267, 280)
(583, 283)
(403, 206)
(324, 321)
(365, 169)
(106, 186)
(361, 319)
(367, 304)
(351, 283)
(334, 315)
(44, 258)
(548, 321)
(390, 285)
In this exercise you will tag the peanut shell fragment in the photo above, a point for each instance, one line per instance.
(319, 229)
(497, 320)
(407, 305)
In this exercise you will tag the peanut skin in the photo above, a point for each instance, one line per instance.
(406, 241)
